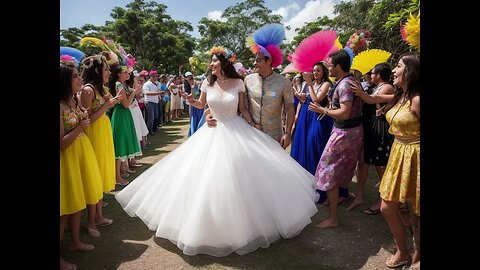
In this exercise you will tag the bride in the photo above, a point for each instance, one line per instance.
(238, 189)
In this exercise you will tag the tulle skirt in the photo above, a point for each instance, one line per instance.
(227, 189)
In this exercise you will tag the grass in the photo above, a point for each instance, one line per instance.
(359, 242)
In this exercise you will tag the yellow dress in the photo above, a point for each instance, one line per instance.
(401, 181)
(101, 138)
(80, 182)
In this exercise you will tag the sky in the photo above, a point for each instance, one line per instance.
(76, 13)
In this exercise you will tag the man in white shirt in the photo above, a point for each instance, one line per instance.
(151, 93)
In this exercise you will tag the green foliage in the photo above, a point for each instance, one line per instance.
(145, 31)
(241, 20)
(375, 16)
(397, 18)
(157, 41)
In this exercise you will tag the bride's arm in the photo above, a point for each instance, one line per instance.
(245, 113)
(200, 103)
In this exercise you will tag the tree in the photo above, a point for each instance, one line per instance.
(145, 31)
(240, 20)
(382, 18)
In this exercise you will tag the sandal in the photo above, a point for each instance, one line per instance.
(93, 232)
(105, 222)
(123, 183)
(133, 165)
(398, 264)
(370, 211)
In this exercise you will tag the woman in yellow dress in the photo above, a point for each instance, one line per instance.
(401, 180)
(95, 73)
(79, 173)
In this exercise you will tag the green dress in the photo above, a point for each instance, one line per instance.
(124, 136)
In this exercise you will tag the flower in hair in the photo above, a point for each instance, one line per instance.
(217, 49)
(228, 54)
(68, 60)
(91, 60)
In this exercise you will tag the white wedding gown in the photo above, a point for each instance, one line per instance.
(226, 189)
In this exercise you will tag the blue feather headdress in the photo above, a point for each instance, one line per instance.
(267, 40)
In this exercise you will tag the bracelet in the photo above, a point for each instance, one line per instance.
(325, 111)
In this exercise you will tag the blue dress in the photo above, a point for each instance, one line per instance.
(311, 136)
(195, 115)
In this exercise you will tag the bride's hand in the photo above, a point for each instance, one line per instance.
(188, 97)
(211, 121)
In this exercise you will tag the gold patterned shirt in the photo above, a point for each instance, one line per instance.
(266, 99)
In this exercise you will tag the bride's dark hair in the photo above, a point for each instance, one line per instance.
(228, 69)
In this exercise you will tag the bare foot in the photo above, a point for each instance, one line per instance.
(354, 204)
(81, 247)
(66, 265)
(327, 223)
(341, 199)
(415, 266)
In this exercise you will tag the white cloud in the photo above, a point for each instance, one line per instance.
(312, 10)
(285, 10)
(216, 15)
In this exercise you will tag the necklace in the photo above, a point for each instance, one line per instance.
(222, 81)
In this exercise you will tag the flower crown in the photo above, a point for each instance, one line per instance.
(91, 60)
(68, 60)
(229, 55)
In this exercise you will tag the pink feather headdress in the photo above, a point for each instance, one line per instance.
(313, 49)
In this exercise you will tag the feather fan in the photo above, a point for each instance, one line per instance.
(366, 60)
(313, 49)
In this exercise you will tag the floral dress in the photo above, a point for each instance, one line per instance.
(80, 181)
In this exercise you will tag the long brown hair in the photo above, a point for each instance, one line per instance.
(411, 74)
(227, 68)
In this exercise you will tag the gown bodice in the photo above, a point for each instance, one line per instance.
(223, 103)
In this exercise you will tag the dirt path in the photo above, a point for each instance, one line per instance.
(360, 241)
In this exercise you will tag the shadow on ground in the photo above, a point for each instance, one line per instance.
(359, 242)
